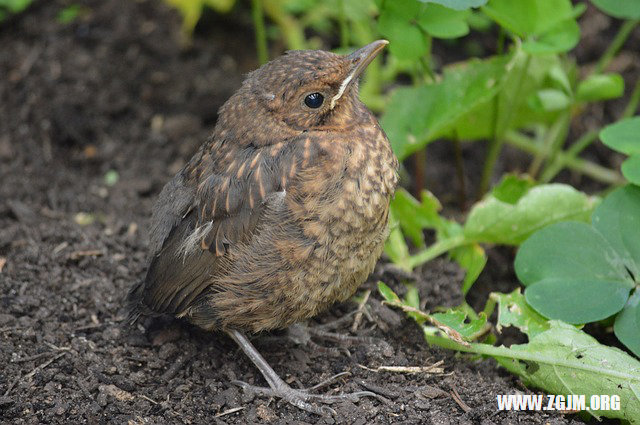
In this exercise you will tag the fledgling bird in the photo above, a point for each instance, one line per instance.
(281, 213)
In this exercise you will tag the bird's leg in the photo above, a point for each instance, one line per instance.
(279, 388)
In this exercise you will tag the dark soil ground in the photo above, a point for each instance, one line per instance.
(114, 92)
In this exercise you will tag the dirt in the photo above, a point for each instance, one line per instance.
(96, 115)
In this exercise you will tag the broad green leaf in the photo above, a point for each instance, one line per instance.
(623, 9)
(512, 187)
(442, 22)
(458, 4)
(550, 100)
(631, 169)
(561, 38)
(397, 23)
(579, 300)
(600, 87)
(495, 221)
(417, 115)
(565, 360)
(406, 40)
(469, 328)
(623, 136)
(529, 17)
(627, 325)
(524, 75)
(581, 273)
(618, 220)
(569, 251)
(513, 310)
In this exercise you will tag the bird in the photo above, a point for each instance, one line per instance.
(282, 212)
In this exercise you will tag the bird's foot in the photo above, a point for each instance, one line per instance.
(304, 398)
(302, 335)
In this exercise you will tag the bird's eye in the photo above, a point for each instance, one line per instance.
(314, 100)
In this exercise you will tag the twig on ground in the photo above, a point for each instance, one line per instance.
(456, 397)
(435, 368)
(230, 411)
(358, 316)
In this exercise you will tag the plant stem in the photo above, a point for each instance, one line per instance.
(502, 351)
(457, 148)
(595, 171)
(495, 146)
(632, 106)
(616, 45)
(554, 140)
(261, 34)
(574, 150)
(438, 248)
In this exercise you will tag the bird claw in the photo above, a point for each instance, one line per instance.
(301, 398)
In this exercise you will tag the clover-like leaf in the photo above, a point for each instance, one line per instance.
(627, 324)
(581, 273)
(623, 9)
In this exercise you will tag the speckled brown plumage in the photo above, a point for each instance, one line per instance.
(283, 211)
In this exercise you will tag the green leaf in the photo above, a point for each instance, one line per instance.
(458, 4)
(513, 310)
(388, 293)
(623, 9)
(578, 301)
(512, 187)
(395, 246)
(623, 136)
(580, 273)
(397, 22)
(600, 87)
(415, 216)
(561, 38)
(618, 220)
(631, 169)
(494, 221)
(15, 6)
(458, 320)
(627, 324)
(570, 251)
(550, 100)
(442, 22)
(406, 40)
(417, 115)
(565, 360)
(529, 17)
(472, 259)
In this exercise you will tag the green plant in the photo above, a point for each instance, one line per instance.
(582, 273)
(12, 7)
(558, 357)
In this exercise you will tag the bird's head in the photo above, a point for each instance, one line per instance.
(303, 90)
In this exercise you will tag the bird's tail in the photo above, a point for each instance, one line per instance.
(133, 304)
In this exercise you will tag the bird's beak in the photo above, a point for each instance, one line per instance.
(359, 60)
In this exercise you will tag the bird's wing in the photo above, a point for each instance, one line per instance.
(214, 203)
